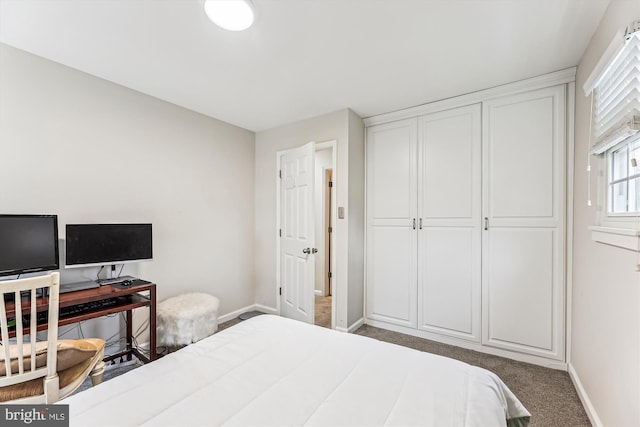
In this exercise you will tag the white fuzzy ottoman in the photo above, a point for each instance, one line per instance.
(186, 318)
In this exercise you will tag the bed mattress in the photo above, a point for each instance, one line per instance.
(269, 370)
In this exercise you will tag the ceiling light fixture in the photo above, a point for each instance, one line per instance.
(233, 15)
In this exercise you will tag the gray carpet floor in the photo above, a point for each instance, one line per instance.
(547, 393)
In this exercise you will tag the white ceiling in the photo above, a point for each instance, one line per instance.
(303, 58)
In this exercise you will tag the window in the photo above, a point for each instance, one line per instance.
(614, 87)
(615, 125)
(624, 179)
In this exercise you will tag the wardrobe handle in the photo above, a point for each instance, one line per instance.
(420, 223)
(486, 223)
(414, 223)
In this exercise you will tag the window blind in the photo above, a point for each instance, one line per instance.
(616, 109)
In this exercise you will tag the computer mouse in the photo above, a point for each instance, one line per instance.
(126, 283)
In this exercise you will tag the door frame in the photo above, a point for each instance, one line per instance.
(327, 221)
(333, 145)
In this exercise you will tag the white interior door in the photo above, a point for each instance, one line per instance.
(297, 246)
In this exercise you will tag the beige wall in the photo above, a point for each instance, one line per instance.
(99, 152)
(328, 127)
(92, 151)
(605, 344)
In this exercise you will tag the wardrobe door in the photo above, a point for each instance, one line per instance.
(391, 220)
(449, 211)
(523, 241)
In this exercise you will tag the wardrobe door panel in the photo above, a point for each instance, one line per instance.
(450, 168)
(450, 280)
(391, 280)
(521, 172)
(449, 210)
(391, 222)
(520, 295)
(524, 203)
(391, 167)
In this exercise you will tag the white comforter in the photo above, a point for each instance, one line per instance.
(274, 371)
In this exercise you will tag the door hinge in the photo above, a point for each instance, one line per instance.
(330, 183)
(280, 291)
(280, 174)
(329, 275)
(330, 230)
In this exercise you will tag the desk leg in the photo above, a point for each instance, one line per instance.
(152, 324)
(129, 333)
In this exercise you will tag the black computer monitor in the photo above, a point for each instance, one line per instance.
(104, 244)
(28, 243)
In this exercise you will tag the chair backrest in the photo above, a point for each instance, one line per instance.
(18, 318)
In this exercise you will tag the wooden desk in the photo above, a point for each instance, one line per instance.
(128, 299)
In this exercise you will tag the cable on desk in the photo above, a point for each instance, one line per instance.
(114, 339)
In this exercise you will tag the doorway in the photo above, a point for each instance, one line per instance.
(314, 300)
(323, 299)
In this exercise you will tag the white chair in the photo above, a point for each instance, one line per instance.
(61, 366)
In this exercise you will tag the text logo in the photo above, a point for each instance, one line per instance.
(35, 415)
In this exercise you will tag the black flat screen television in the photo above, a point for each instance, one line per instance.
(28, 243)
(103, 244)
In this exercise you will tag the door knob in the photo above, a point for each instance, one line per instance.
(314, 250)
(306, 251)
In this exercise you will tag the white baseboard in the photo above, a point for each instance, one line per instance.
(584, 397)
(234, 314)
(353, 327)
(356, 325)
(265, 309)
(471, 345)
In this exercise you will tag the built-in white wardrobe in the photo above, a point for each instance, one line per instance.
(466, 219)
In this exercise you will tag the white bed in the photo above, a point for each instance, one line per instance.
(270, 370)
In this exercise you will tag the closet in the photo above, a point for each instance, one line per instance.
(466, 222)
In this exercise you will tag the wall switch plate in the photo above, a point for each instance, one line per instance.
(340, 212)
